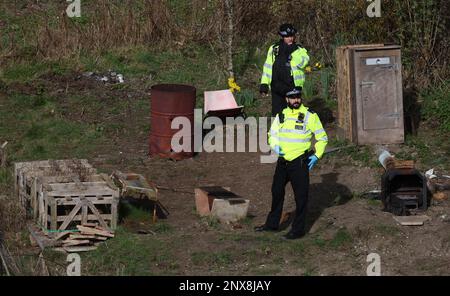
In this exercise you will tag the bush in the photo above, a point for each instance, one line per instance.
(245, 98)
(436, 105)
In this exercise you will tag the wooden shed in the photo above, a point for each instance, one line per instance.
(370, 97)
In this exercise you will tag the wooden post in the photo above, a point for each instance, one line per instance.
(230, 15)
(3, 155)
(114, 212)
(34, 199)
(84, 214)
(54, 214)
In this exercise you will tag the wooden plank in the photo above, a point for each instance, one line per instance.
(69, 218)
(84, 214)
(81, 236)
(90, 224)
(36, 238)
(106, 217)
(89, 230)
(75, 242)
(54, 216)
(344, 94)
(41, 240)
(76, 201)
(114, 214)
(77, 249)
(61, 235)
(97, 213)
(44, 216)
(86, 193)
(73, 186)
(34, 199)
(411, 220)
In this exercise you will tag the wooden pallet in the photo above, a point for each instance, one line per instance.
(68, 204)
(28, 173)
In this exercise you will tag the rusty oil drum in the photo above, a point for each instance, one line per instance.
(169, 101)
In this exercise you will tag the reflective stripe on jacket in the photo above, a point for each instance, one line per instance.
(299, 61)
(294, 136)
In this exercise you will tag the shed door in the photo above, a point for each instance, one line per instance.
(378, 86)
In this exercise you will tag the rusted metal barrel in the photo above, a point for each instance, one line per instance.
(169, 101)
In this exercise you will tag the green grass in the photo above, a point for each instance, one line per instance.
(387, 229)
(436, 105)
(217, 259)
(296, 247)
(163, 228)
(374, 202)
(341, 239)
(129, 254)
(319, 242)
(211, 222)
(5, 177)
(27, 71)
(134, 213)
(36, 129)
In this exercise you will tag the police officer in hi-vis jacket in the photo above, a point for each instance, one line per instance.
(290, 137)
(284, 68)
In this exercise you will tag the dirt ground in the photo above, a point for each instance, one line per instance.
(422, 250)
(344, 225)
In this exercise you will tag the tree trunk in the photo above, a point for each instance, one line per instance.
(229, 43)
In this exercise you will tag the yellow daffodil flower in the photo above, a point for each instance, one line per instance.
(233, 85)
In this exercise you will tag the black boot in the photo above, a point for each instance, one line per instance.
(292, 235)
(264, 227)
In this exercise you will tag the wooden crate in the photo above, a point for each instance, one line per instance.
(69, 204)
(26, 174)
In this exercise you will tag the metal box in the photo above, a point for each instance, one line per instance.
(369, 89)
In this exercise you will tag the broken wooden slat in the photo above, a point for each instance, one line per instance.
(77, 249)
(411, 220)
(74, 242)
(61, 235)
(36, 238)
(88, 230)
(89, 224)
(69, 217)
(3, 155)
(81, 236)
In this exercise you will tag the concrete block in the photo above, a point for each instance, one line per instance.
(221, 203)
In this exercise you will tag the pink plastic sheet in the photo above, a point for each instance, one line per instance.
(219, 100)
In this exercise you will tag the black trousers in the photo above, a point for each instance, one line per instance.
(278, 102)
(297, 173)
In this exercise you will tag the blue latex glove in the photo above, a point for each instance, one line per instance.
(312, 161)
(278, 151)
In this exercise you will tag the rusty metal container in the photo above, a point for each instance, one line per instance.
(169, 101)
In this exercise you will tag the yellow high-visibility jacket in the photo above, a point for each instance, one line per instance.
(294, 134)
(299, 60)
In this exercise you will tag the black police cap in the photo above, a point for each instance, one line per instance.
(287, 30)
(295, 93)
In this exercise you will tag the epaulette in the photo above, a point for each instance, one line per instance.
(281, 117)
